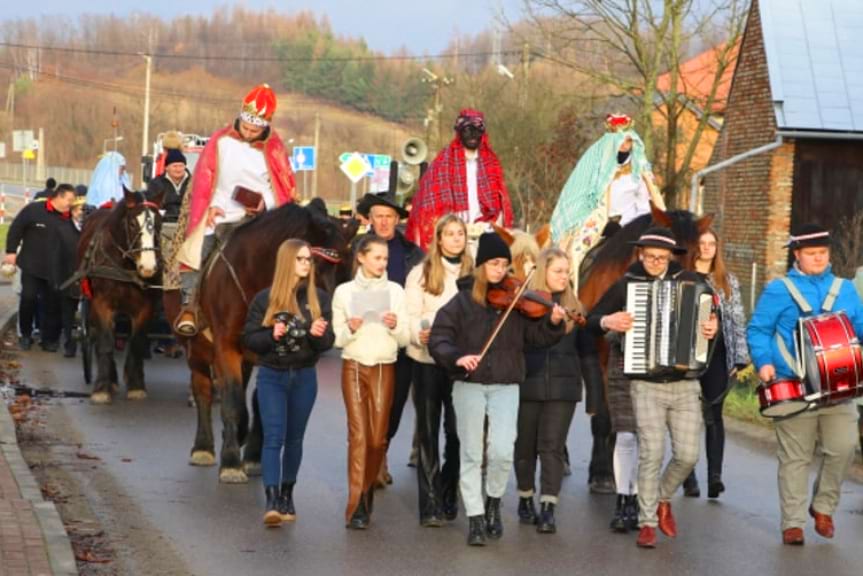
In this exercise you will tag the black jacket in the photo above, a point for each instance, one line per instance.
(553, 373)
(37, 230)
(462, 327)
(172, 199)
(66, 258)
(259, 339)
(614, 300)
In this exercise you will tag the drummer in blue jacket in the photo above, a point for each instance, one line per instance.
(810, 288)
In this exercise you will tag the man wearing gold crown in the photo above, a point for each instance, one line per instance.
(611, 185)
(248, 154)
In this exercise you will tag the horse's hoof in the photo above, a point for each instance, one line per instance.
(136, 395)
(232, 476)
(100, 398)
(114, 387)
(202, 458)
(252, 468)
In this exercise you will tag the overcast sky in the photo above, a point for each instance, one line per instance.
(422, 26)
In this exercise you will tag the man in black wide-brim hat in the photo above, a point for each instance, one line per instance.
(669, 402)
(384, 214)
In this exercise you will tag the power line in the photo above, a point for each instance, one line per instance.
(174, 56)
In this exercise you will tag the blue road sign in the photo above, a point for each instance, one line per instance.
(304, 158)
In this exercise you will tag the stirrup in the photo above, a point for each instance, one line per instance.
(185, 324)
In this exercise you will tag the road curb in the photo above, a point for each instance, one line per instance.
(57, 543)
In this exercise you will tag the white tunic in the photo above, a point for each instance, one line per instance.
(474, 212)
(240, 164)
(629, 198)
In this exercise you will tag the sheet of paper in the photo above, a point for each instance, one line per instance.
(370, 306)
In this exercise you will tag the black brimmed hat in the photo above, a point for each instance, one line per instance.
(809, 235)
(659, 237)
(387, 199)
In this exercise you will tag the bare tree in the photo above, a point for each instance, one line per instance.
(627, 45)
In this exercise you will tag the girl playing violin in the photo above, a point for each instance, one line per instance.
(487, 385)
(549, 394)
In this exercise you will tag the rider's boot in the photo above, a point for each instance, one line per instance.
(186, 323)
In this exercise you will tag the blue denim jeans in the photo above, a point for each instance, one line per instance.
(286, 398)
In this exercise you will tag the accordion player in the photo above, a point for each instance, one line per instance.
(665, 338)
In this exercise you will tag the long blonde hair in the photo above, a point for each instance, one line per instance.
(568, 298)
(433, 269)
(480, 286)
(283, 294)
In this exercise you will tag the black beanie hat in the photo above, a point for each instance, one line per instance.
(174, 155)
(491, 246)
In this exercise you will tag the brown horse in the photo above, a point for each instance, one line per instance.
(216, 354)
(119, 255)
(609, 263)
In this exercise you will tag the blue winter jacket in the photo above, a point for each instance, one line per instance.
(776, 312)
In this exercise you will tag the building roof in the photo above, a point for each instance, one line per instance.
(697, 76)
(815, 63)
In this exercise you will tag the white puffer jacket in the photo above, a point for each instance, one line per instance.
(424, 306)
(373, 343)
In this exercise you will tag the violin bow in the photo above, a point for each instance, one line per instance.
(506, 314)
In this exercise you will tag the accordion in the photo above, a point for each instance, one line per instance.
(665, 339)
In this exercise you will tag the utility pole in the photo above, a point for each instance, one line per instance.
(525, 70)
(318, 152)
(438, 83)
(146, 133)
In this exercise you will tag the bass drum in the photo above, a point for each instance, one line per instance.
(782, 398)
(832, 357)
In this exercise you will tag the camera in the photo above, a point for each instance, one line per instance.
(295, 332)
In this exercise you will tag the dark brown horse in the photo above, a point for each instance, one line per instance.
(611, 260)
(119, 255)
(216, 354)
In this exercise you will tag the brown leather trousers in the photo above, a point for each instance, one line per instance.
(368, 394)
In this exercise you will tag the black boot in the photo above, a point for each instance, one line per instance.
(526, 510)
(450, 505)
(286, 502)
(493, 524)
(690, 486)
(272, 518)
(618, 522)
(630, 512)
(546, 523)
(476, 531)
(715, 486)
(360, 518)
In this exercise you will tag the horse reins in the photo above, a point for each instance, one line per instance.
(129, 254)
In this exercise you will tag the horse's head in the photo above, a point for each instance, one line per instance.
(686, 227)
(331, 245)
(524, 247)
(142, 222)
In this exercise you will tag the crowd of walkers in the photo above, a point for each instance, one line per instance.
(480, 416)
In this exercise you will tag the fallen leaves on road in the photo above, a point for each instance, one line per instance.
(86, 455)
(89, 557)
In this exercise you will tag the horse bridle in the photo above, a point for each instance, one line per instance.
(149, 222)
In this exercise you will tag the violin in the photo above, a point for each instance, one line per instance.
(530, 303)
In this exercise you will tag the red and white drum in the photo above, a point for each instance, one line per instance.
(832, 358)
(782, 398)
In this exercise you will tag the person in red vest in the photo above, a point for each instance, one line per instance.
(248, 154)
(465, 179)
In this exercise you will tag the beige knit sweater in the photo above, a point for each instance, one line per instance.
(423, 306)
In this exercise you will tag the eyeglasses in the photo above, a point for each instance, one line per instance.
(656, 259)
(306, 259)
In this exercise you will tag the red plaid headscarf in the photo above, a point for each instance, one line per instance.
(443, 188)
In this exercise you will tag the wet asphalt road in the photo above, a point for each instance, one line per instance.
(216, 528)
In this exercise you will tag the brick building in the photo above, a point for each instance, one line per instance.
(797, 101)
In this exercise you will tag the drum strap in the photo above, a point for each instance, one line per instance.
(827, 306)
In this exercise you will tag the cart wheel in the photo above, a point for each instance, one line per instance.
(84, 341)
